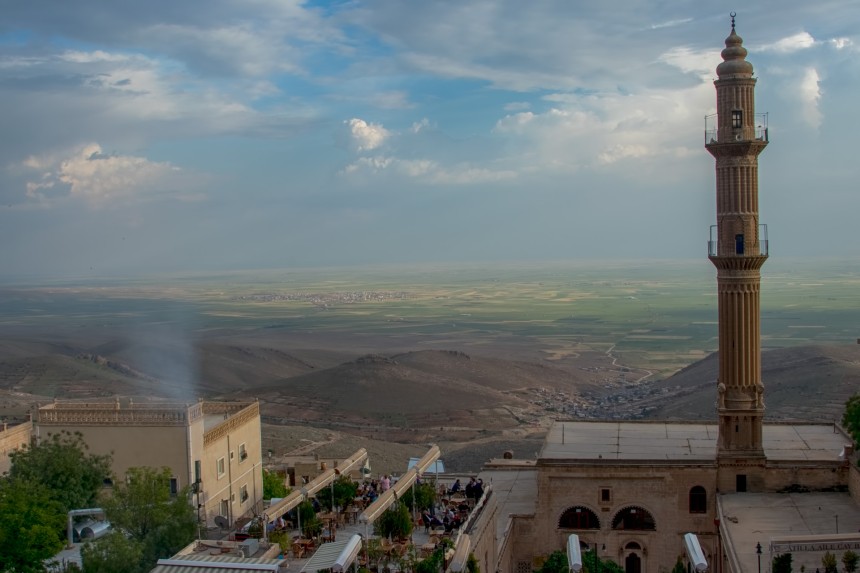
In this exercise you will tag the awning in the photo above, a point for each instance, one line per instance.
(337, 555)
(461, 554)
(375, 509)
(296, 497)
(215, 564)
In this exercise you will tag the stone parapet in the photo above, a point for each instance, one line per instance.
(242, 413)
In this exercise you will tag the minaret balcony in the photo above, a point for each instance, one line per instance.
(738, 246)
(755, 132)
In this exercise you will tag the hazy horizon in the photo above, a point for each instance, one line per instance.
(191, 137)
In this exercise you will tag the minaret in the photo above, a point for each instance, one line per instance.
(738, 249)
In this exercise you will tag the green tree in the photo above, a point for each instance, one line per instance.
(829, 563)
(851, 417)
(345, 491)
(112, 553)
(679, 567)
(31, 523)
(782, 563)
(311, 524)
(849, 561)
(144, 510)
(555, 563)
(591, 563)
(395, 523)
(425, 496)
(273, 485)
(61, 463)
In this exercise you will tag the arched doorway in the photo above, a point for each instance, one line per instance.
(632, 564)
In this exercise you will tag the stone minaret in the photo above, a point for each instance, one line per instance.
(738, 249)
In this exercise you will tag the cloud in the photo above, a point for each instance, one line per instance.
(810, 96)
(789, 44)
(692, 61)
(671, 23)
(427, 171)
(366, 136)
(841, 43)
(420, 125)
(90, 175)
(517, 106)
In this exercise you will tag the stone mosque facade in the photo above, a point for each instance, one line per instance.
(748, 490)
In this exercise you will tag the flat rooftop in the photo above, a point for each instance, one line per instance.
(678, 441)
(515, 490)
(750, 518)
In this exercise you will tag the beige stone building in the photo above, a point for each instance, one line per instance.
(212, 446)
(13, 438)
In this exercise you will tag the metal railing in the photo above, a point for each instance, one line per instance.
(762, 251)
(758, 131)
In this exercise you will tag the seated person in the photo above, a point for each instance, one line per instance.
(456, 487)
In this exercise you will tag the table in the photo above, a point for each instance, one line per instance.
(352, 514)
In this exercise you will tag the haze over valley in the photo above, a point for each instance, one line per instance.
(479, 359)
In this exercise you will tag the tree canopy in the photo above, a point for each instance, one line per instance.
(61, 464)
(273, 485)
(144, 510)
(31, 525)
(851, 417)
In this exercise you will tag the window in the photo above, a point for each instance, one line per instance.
(243, 453)
(578, 518)
(737, 118)
(174, 486)
(243, 493)
(225, 508)
(739, 244)
(605, 495)
(220, 468)
(698, 500)
(634, 518)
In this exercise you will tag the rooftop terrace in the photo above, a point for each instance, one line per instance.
(631, 442)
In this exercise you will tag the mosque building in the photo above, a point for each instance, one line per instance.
(748, 490)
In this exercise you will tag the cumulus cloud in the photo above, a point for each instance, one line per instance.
(100, 179)
(699, 62)
(810, 95)
(793, 43)
(366, 136)
(581, 132)
(841, 43)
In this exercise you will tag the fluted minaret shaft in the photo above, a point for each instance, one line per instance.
(738, 254)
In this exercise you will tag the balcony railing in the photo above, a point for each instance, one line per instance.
(741, 249)
(758, 131)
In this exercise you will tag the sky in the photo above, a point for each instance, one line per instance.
(164, 136)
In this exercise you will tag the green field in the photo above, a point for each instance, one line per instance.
(656, 315)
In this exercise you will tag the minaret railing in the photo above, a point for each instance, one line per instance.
(757, 132)
(763, 243)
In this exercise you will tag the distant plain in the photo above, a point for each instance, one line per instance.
(579, 328)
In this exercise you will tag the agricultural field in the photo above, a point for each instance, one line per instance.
(654, 316)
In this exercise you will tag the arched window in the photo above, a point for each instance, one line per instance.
(632, 546)
(578, 518)
(634, 518)
(698, 500)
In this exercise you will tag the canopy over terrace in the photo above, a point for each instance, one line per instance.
(337, 555)
(384, 501)
(295, 498)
